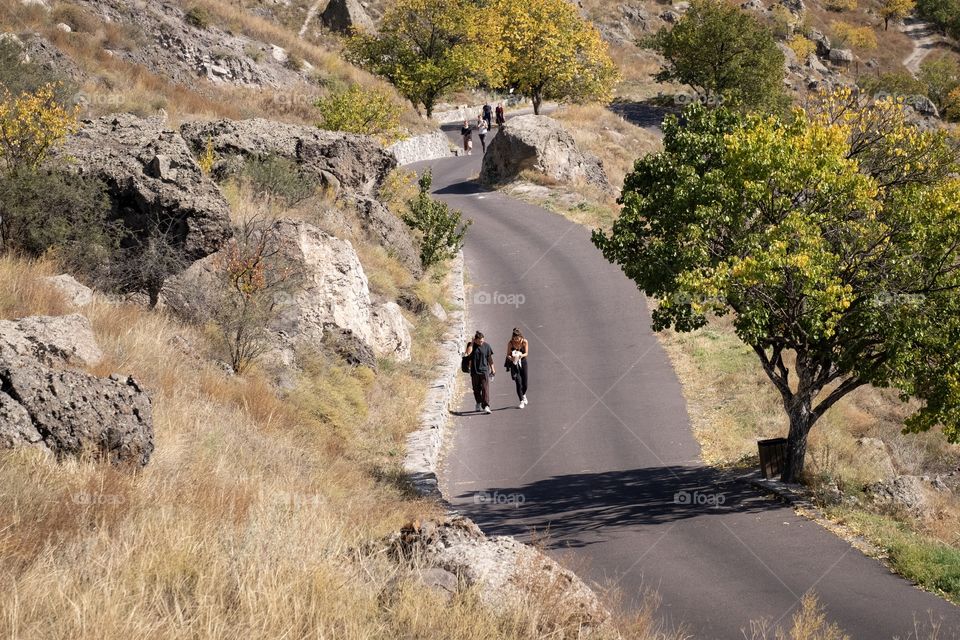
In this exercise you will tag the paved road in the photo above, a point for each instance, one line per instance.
(603, 458)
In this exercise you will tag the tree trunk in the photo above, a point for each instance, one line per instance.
(537, 100)
(801, 421)
(886, 23)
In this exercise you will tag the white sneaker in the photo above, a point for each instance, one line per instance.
(521, 405)
(525, 401)
(488, 409)
(479, 407)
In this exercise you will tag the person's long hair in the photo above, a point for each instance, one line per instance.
(517, 336)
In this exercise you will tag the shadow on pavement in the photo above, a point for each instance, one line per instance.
(582, 509)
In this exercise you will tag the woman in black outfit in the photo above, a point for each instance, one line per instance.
(517, 351)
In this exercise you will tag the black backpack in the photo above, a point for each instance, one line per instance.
(465, 363)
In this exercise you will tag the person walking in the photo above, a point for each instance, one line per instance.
(467, 132)
(487, 114)
(482, 127)
(500, 116)
(482, 371)
(517, 351)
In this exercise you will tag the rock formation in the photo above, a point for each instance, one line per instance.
(540, 144)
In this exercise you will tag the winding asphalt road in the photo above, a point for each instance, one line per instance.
(602, 465)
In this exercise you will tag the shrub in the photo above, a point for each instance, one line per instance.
(854, 36)
(30, 124)
(281, 178)
(197, 17)
(145, 264)
(359, 110)
(940, 78)
(207, 159)
(293, 62)
(58, 212)
(802, 47)
(442, 229)
(900, 85)
(840, 5)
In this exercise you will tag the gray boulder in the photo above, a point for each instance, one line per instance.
(822, 42)
(152, 179)
(359, 163)
(540, 144)
(923, 106)
(332, 291)
(75, 293)
(794, 6)
(389, 231)
(71, 413)
(50, 339)
(841, 57)
(504, 572)
(347, 16)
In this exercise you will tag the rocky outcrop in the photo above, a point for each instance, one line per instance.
(915, 495)
(331, 294)
(540, 144)
(169, 46)
(429, 146)
(152, 180)
(347, 16)
(358, 163)
(73, 414)
(50, 339)
(387, 230)
(504, 573)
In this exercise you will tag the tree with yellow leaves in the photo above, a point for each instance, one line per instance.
(552, 53)
(895, 10)
(832, 238)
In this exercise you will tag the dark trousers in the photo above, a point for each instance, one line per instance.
(481, 388)
(487, 118)
(520, 378)
(483, 141)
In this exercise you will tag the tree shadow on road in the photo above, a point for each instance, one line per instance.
(578, 510)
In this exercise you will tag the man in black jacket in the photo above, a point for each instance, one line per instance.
(482, 370)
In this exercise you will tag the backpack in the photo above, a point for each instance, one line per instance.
(465, 364)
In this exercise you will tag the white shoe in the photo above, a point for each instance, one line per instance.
(521, 405)
(479, 407)
(525, 401)
(488, 409)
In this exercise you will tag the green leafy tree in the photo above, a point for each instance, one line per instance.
(429, 48)
(358, 110)
(945, 13)
(833, 239)
(725, 54)
(443, 230)
(939, 77)
(552, 53)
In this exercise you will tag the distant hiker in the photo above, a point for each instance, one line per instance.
(467, 133)
(500, 118)
(517, 351)
(482, 127)
(482, 370)
(487, 114)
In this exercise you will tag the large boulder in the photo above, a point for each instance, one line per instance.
(71, 413)
(331, 293)
(358, 163)
(50, 338)
(152, 179)
(916, 495)
(347, 16)
(74, 293)
(389, 231)
(540, 144)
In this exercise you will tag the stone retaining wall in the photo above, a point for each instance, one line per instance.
(429, 146)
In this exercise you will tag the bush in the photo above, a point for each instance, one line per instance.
(281, 178)
(145, 264)
(940, 77)
(18, 77)
(945, 13)
(802, 47)
(854, 36)
(442, 229)
(840, 5)
(59, 212)
(30, 124)
(359, 110)
(197, 17)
